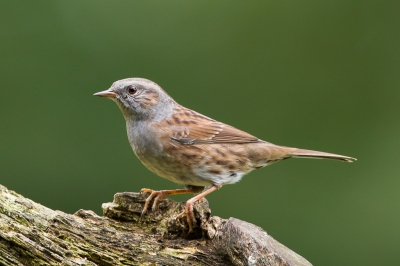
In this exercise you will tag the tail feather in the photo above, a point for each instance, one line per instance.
(300, 153)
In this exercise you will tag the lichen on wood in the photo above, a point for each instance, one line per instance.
(31, 234)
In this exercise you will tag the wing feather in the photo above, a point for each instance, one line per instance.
(190, 127)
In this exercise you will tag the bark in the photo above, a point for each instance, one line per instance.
(31, 234)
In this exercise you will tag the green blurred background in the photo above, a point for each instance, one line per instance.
(320, 75)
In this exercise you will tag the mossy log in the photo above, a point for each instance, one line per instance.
(31, 234)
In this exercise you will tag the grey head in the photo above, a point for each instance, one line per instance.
(140, 99)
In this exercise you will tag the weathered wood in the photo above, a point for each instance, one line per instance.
(31, 234)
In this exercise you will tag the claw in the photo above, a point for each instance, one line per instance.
(188, 212)
(159, 196)
(148, 200)
(156, 195)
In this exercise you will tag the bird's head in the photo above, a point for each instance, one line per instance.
(140, 99)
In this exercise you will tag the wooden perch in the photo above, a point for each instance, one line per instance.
(31, 234)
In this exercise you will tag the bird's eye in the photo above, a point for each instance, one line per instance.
(132, 89)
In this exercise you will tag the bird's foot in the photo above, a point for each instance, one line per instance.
(154, 194)
(188, 212)
(159, 195)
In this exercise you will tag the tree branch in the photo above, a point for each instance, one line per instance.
(31, 234)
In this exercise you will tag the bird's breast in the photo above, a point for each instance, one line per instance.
(147, 144)
(144, 142)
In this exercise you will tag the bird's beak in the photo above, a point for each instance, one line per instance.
(106, 93)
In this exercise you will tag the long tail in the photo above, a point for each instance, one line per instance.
(300, 153)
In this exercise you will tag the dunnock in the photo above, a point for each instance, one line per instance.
(189, 148)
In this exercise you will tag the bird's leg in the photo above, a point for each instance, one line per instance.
(160, 194)
(188, 212)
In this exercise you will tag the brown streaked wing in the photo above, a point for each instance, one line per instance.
(199, 129)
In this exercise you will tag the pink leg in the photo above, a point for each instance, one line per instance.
(188, 212)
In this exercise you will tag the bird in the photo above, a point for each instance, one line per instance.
(189, 148)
